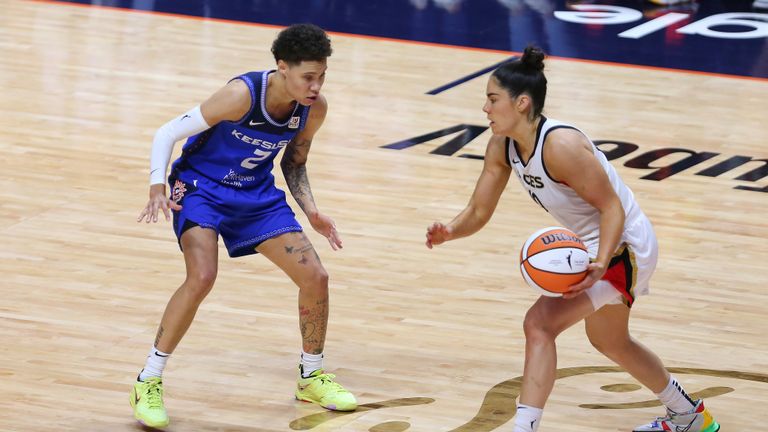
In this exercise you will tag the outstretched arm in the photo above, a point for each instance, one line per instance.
(294, 168)
(229, 103)
(493, 179)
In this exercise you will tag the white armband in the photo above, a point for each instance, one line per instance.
(181, 127)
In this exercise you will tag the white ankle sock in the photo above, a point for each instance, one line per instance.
(310, 363)
(155, 364)
(527, 418)
(675, 398)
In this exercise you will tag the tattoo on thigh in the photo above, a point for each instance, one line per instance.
(301, 250)
(306, 248)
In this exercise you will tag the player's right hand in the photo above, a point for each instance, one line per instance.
(438, 233)
(157, 201)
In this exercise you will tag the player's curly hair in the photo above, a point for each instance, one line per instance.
(301, 42)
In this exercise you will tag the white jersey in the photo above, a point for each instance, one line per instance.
(562, 202)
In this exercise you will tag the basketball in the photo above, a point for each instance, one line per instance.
(553, 259)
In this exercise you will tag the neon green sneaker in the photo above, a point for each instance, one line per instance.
(320, 388)
(147, 403)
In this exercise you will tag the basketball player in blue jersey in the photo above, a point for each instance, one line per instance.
(222, 185)
(565, 173)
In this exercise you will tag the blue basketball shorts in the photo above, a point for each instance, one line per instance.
(243, 218)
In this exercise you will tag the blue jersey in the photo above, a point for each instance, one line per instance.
(240, 154)
(223, 179)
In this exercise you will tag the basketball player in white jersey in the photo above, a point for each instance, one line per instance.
(565, 173)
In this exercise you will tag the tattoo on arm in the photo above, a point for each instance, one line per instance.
(295, 172)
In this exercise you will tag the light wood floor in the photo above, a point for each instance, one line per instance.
(428, 340)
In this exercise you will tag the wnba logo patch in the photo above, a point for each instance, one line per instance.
(294, 122)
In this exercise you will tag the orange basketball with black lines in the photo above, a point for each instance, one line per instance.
(553, 259)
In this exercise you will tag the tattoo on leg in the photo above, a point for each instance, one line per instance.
(313, 322)
(159, 335)
(289, 249)
(308, 331)
(307, 328)
(308, 247)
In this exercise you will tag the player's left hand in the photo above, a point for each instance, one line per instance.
(595, 272)
(325, 226)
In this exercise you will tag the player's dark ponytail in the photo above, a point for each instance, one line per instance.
(533, 57)
(525, 75)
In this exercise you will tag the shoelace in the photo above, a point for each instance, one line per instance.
(154, 395)
(326, 379)
(659, 421)
(670, 417)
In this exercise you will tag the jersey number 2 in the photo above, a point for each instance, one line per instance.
(253, 162)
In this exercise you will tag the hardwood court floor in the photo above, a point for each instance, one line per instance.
(422, 337)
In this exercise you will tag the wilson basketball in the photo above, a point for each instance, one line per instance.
(553, 259)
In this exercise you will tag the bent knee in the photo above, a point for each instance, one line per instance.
(536, 327)
(316, 279)
(201, 280)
